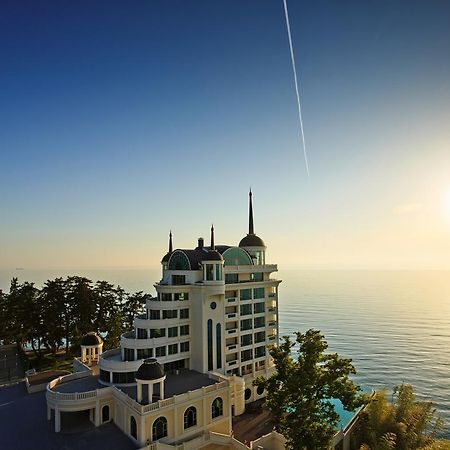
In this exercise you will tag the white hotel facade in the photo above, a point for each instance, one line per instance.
(188, 365)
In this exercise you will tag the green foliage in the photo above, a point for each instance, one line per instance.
(299, 391)
(404, 424)
(65, 310)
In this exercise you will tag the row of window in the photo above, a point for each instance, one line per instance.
(249, 308)
(257, 322)
(143, 333)
(247, 339)
(233, 278)
(246, 294)
(176, 296)
(156, 314)
(143, 353)
(247, 355)
(159, 427)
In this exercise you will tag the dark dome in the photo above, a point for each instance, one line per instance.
(166, 257)
(91, 338)
(212, 255)
(150, 369)
(251, 240)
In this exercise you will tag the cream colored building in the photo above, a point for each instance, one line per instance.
(187, 367)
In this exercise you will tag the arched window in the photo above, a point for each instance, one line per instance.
(159, 428)
(236, 256)
(260, 390)
(219, 346)
(247, 393)
(190, 417)
(105, 413)
(217, 408)
(179, 261)
(209, 338)
(133, 427)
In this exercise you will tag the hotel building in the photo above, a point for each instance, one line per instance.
(188, 365)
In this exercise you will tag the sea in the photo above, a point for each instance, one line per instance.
(394, 325)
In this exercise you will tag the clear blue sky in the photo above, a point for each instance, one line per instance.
(120, 120)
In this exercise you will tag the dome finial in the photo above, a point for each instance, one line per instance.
(213, 247)
(170, 242)
(250, 214)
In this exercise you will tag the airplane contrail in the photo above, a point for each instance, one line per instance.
(300, 118)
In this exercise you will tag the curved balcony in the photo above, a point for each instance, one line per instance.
(75, 392)
(155, 304)
(129, 340)
(158, 323)
(111, 361)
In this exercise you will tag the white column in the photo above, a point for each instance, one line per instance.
(110, 377)
(161, 389)
(97, 414)
(49, 413)
(139, 392)
(83, 354)
(57, 420)
(150, 392)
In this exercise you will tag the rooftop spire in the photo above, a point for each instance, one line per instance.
(213, 247)
(250, 214)
(170, 242)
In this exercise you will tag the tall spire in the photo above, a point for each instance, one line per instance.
(250, 214)
(213, 247)
(170, 242)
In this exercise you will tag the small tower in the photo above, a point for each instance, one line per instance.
(212, 262)
(166, 257)
(91, 348)
(252, 243)
(149, 374)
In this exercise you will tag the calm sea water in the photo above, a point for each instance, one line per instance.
(394, 325)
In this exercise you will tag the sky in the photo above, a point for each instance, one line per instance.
(122, 120)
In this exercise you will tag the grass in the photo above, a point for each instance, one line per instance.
(48, 361)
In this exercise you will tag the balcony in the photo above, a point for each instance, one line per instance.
(232, 331)
(271, 324)
(231, 300)
(232, 364)
(232, 348)
(271, 310)
(232, 316)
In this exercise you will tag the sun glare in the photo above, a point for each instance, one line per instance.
(447, 204)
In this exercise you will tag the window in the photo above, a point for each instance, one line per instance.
(184, 347)
(104, 375)
(154, 314)
(166, 296)
(184, 330)
(217, 408)
(181, 296)
(179, 261)
(141, 333)
(218, 272)
(246, 309)
(246, 324)
(246, 355)
(105, 413)
(260, 336)
(246, 339)
(160, 351)
(170, 314)
(258, 293)
(257, 276)
(133, 427)
(128, 354)
(123, 377)
(159, 428)
(260, 322)
(173, 349)
(184, 313)
(260, 258)
(190, 417)
(246, 294)
(143, 353)
(209, 272)
(209, 327)
(236, 256)
(178, 279)
(231, 278)
(260, 351)
(172, 332)
(260, 390)
(219, 346)
(157, 332)
(248, 394)
(258, 307)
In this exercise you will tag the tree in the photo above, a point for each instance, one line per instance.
(404, 424)
(298, 393)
